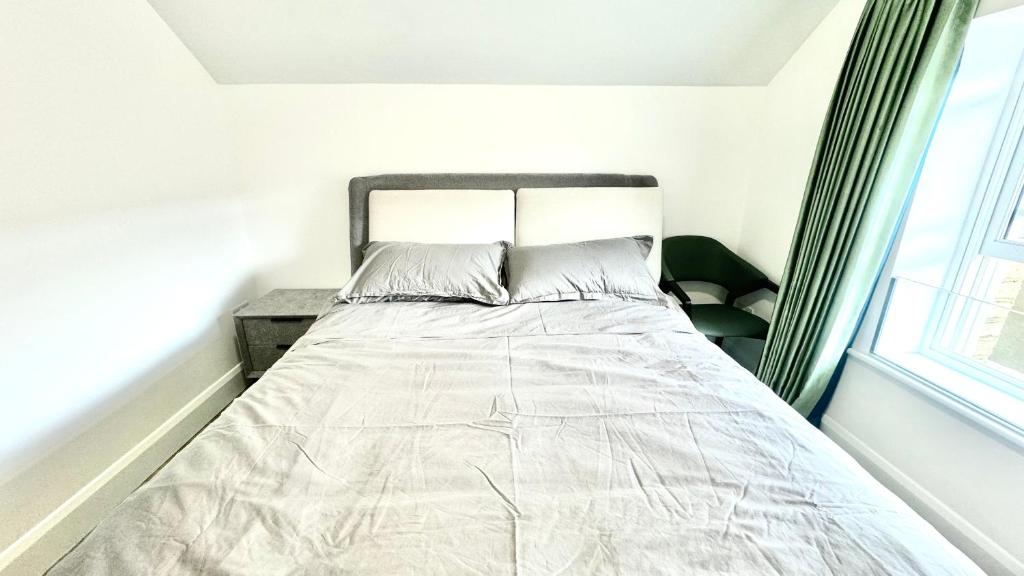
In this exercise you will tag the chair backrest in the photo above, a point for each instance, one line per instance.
(703, 259)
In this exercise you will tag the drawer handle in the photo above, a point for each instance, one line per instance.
(283, 346)
(286, 320)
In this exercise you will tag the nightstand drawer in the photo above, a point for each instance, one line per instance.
(274, 331)
(263, 357)
(268, 326)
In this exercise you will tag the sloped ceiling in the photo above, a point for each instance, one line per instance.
(565, 42)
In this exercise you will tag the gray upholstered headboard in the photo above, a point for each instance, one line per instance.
(359, 192)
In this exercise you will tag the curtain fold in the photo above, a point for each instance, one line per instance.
(887, 100)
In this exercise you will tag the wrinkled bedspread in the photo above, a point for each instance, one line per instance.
(551, 438)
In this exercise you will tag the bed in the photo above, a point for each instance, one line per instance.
(582, 437)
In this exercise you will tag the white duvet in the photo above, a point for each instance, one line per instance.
(552, 438)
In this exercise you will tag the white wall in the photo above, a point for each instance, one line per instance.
(302, 144)
(957, 474)
(121, 242)
(791, 115)
(732, 161)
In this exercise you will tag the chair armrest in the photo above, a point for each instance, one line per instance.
(670, 287)
(755, 279)
(765, 284)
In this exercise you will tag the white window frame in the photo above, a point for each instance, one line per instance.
(1004, 179)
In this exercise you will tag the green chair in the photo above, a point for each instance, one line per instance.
(703, 259)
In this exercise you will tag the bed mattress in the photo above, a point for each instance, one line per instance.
(552, 438)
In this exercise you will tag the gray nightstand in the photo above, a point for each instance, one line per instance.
(267, 327)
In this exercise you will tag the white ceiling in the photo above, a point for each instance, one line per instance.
(586, 42)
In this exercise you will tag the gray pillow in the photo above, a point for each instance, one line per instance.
(407, 271)
(592, 270)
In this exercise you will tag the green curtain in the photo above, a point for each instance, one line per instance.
(887, 100)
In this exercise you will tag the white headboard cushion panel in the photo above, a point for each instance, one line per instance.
(558, 215)
(442, 216)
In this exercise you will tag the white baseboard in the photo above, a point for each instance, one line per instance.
(988, 554)
(42, 545)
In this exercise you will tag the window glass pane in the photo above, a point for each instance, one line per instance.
(933, 244)
(935, 333)
(1015, 232)
(988, 328)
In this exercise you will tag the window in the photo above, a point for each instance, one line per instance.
(953, 311)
